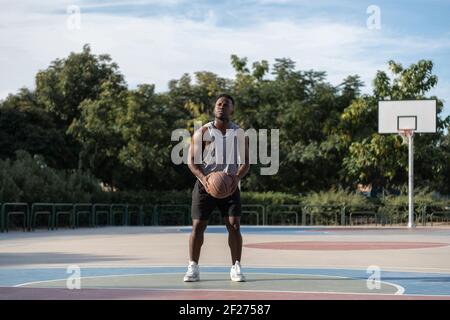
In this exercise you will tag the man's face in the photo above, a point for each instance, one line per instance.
(223, 108)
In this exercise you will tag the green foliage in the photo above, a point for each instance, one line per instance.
(25, 125)
(29, 179)
(82, 116)
(335, 196)
(152, 197)
(422, 196)
(98, 131)
(383, 159)
(396, 206)
(443, 168)
(184, 197)
(9, 190)
(270, 197)
(68, 82)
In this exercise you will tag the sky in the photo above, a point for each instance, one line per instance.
(157, 41)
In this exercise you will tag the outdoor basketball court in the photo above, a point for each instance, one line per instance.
(279, 263)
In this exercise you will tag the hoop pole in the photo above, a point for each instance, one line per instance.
(411, 180)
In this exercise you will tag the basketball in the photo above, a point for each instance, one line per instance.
(219, 184)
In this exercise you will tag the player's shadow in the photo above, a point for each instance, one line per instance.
(9, 259)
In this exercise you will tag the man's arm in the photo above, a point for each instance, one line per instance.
(243, 168)
(196, 146)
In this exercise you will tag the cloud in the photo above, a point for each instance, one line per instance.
(109, 3)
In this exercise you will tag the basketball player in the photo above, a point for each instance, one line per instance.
(221, 130)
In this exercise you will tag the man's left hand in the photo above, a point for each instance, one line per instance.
(236, 180)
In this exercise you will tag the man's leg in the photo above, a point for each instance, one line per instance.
(231, 210)
(234, 237)
(235, 243)
(202, 206)
(196, 239)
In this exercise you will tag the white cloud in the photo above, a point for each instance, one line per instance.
(158, 49)
(105, 3)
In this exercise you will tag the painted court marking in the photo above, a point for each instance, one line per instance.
(342, 245)
(406, 283)
(400, 290)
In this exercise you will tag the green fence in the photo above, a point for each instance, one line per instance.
(356, 215)
(73, 215)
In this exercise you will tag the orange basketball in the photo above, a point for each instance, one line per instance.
(219, 184)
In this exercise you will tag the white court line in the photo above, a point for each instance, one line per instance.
(400, 289)
(329, 267)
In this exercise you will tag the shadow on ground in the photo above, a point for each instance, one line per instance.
(8, 259)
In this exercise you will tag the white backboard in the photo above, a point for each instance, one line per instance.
(418, 115)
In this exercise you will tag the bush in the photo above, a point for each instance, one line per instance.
(9, 190)
(184, 197)
(422, 196)
(335, 196)
(397, 205)
(270, 198)
(151, 197)
(29, 179)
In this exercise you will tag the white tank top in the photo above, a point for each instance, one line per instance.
(221, 154)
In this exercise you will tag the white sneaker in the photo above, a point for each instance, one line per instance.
(236, 273)
(193, 273)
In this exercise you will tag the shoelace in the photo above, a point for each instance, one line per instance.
(191, 269)
(237, 268)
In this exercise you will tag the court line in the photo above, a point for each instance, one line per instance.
(400, 289)
(250, 290)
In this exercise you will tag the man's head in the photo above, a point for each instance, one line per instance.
(224, 107)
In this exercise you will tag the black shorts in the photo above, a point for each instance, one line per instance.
(203, 203)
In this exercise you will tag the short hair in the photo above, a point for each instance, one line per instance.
(224, 95)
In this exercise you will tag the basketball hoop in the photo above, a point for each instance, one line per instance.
(405, 117)
(405, 134)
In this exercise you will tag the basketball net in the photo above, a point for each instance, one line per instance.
(405, 134)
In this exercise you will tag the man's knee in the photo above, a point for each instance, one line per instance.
(199, 227)
(233, 226)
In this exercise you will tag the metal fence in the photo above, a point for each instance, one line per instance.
(73, 215)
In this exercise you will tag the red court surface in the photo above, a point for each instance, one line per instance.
(123, 294)
(341, 245)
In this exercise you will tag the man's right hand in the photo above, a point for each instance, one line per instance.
(204, 182)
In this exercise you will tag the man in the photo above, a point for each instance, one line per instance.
(222, 131)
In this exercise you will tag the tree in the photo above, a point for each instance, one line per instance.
(98, 132)
(146, 148)
(350, 90)
(303, 106)
(66, 83)
(83, 115)
(25, 125)
(444, 171)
